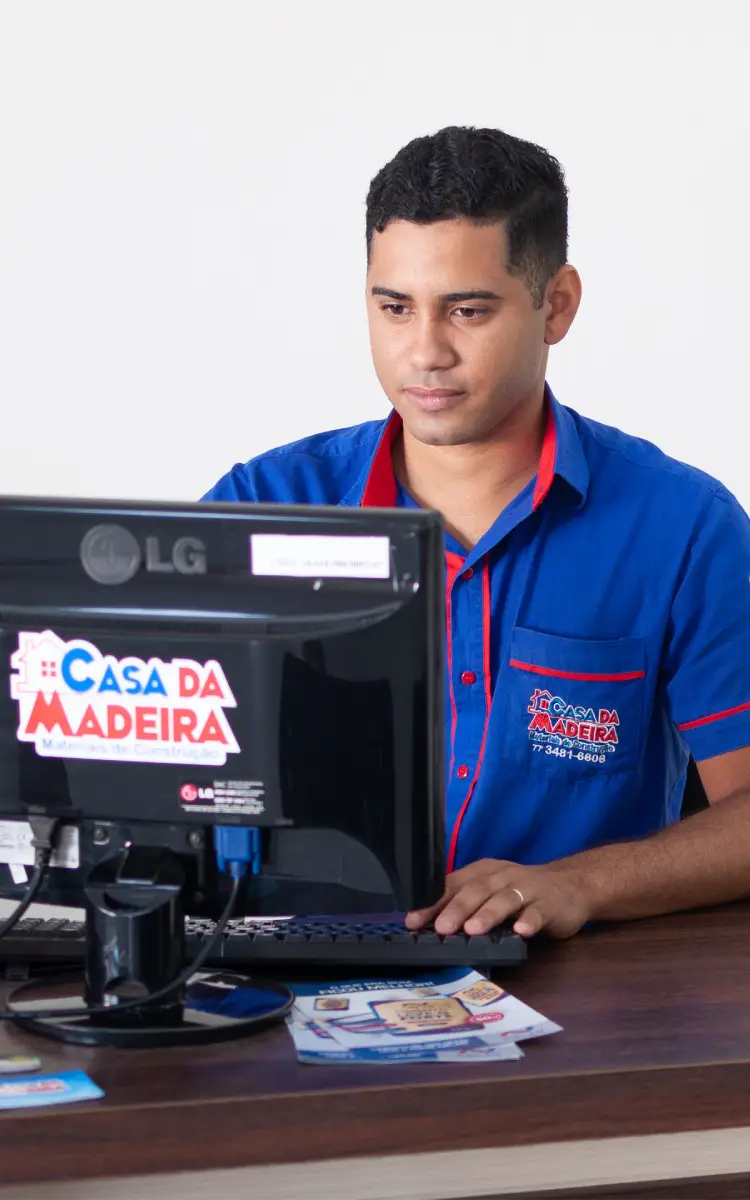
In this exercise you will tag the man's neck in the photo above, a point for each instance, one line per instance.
(472, 484)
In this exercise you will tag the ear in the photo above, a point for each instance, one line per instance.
(562, 299)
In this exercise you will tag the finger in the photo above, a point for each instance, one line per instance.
(420, 916)
(480, 869)
(500, 905)
(453, 884)
(529, 922)
(463, 905)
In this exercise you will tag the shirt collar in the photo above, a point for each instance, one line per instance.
(562, 457)
(376, 486)
(562, 454)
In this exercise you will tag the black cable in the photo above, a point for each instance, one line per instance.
(44, 837)
(30, 895)
(139, 1001)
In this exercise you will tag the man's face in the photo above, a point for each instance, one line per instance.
(456, 341)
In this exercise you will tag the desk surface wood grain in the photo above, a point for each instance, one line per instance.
(656, 1039)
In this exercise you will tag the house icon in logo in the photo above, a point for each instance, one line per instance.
(540, 701)
(37, 662)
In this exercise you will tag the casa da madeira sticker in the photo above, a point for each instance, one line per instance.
(75, 702)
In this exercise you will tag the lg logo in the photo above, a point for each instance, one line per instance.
(110, 554)
(189, 793)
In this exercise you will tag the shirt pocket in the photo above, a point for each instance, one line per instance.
(575, 704)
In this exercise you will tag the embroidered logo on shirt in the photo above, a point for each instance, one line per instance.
(571, 730)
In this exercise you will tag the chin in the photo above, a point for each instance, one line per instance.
(441, 433)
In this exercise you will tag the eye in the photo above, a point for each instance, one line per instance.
(471, 314)
(394, 309)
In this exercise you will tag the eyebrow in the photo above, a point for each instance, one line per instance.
(452, 297)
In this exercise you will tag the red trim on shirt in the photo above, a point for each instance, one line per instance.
(381, 490)
(456, 827)
(454, 564)
(486, 613)
(588, 676)
(728, 712)
(486, 616)
(546, 471)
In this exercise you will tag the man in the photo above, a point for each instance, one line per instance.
(598, 596)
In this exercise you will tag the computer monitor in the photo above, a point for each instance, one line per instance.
(169, 669)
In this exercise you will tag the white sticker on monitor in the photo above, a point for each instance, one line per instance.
(75, 702)
(17, 850)
(319, 556)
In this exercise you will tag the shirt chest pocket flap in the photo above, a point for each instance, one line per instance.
(575, 703)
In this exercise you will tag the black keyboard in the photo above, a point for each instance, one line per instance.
(310, 942)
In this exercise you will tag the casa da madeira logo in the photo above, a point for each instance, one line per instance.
(572, 730)
(75, 702)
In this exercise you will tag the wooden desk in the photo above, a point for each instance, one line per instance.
(654, 1059)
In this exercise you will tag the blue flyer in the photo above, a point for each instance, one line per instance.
(33, 1091)
(454, 1015)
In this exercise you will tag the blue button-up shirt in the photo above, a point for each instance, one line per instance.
(597, 634)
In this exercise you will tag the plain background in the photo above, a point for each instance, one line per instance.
(182, 217)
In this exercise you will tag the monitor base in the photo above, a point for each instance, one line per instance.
(218, 1006)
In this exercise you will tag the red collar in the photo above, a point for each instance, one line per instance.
(381, 489)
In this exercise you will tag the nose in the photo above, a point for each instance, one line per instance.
(432, 349)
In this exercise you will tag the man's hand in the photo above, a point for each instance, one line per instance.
(486, 893)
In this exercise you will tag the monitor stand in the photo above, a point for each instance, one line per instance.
(135, 947)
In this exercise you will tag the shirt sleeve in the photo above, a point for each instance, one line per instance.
(234, 487)
(707, 658)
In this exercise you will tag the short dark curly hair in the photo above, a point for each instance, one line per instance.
(486, 176)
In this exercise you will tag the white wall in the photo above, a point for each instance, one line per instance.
(182, 207)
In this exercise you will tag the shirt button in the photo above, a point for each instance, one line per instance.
(463, 772)
(468, 677)
(468, 573)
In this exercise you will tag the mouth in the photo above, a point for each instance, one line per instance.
(433, 399)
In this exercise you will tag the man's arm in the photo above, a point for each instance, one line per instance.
(703, 860)
(700, 861)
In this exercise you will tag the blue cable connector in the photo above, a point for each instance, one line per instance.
(237, 849)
